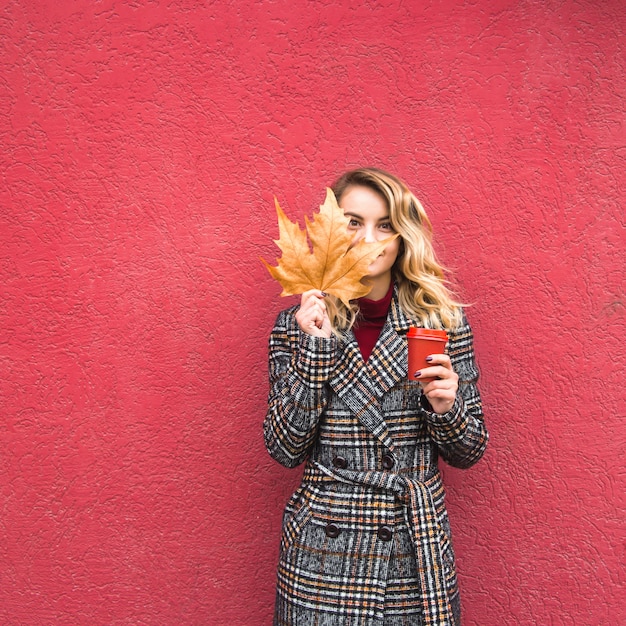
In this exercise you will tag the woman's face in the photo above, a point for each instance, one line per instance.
(369, 220)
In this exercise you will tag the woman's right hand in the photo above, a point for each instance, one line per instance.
(312, 316)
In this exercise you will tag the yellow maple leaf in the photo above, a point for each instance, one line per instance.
(332, 264)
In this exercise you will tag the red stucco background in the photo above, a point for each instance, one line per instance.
(142, 144)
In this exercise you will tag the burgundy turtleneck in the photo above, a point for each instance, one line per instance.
(370, 321)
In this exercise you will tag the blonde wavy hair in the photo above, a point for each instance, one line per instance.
(422, 288)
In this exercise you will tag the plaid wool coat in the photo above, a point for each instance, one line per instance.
(366, 537)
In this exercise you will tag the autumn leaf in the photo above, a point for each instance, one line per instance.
(331, 263)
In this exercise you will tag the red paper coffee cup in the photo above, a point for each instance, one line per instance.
(423, 342)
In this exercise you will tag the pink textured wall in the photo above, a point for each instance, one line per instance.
(142, 144)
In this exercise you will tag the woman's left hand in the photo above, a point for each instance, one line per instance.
(440, 392)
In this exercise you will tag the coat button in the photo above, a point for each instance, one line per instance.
(332, 530)
(385, 533)
(340, 462)
(388, 461)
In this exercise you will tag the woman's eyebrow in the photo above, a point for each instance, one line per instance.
(352, 214)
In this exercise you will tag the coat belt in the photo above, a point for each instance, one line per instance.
(423, 522)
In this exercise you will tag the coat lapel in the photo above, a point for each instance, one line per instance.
(361, 385)
(388, 363)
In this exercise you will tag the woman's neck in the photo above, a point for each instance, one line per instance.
(380, 287)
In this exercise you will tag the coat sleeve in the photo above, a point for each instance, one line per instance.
(460, 434)
(299, 368)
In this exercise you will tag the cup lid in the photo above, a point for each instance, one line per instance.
(427, 333)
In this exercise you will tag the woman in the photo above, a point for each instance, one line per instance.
(366, 537)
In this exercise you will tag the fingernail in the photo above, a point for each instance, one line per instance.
(417, 374)
(429, 359)
(324, 294)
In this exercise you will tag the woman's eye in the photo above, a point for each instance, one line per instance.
(353, 224)
(386, 226)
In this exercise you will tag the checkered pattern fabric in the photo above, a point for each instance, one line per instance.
(366, 538)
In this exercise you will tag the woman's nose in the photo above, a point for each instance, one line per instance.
(370, 235)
